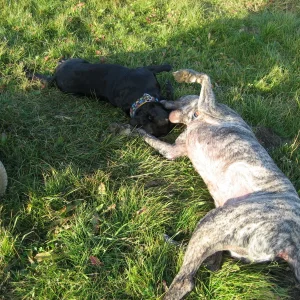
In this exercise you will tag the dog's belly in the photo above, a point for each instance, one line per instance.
(235, 183)
(234, 174)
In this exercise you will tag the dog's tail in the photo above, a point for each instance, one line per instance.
(3, 179)
(45, 79)
(159, 68)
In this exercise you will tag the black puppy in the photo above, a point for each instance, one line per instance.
(136, 91)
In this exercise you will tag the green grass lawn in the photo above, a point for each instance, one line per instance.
(85, 210)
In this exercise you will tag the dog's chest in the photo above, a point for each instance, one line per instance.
(232, 164)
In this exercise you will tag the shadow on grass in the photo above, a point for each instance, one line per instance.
(254, 64)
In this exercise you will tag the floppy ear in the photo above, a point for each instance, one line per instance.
(169, 104)
(175, 116)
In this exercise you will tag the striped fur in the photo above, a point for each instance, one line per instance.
(257, 214)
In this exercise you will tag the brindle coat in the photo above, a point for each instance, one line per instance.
(257, 214)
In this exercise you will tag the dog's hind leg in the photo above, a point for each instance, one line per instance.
(238, 228)
(207, 239)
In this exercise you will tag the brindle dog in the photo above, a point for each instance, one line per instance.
(257, 214)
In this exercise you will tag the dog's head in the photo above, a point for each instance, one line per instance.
(153, 117)
(184, 110)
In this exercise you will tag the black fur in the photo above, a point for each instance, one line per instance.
(119, 85)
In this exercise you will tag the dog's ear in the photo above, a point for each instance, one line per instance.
(169, 104)
(175, 116)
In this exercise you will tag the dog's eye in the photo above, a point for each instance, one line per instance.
(150, 118)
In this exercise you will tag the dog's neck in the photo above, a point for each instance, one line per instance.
(141, 101)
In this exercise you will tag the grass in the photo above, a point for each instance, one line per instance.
(85, 210)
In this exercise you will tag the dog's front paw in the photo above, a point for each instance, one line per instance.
(188, 76)
(184, 75)
(121, 129)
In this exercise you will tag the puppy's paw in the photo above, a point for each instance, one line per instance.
(121, 129)
(169, 104)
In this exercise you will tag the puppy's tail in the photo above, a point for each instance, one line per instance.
(159, 68)
(3, 179)
(45, 79)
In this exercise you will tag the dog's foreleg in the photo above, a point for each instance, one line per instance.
(167, 150)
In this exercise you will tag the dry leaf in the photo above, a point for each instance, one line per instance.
(164, 283)
(102, 59)
(142, 210)
(95, 222)
(95, 261)
(101, 189)
(43, 256)
(2, 88)
(31, 260)
(79, 5)
(111, 207)
(63, 210)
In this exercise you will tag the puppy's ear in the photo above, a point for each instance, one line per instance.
(175, 116)
(169, 104)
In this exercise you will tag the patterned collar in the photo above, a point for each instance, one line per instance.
(141, 101)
